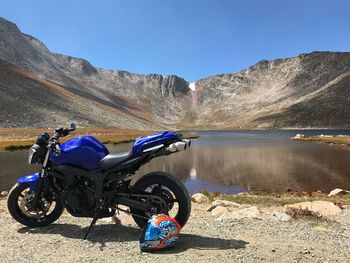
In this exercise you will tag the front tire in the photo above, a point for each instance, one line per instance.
(18, 204)
(173, 185)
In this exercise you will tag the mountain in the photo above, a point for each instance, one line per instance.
(39, 88)
(310, 90)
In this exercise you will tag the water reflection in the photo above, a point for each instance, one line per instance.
(307, 167)
(193, 173)
(233, 162)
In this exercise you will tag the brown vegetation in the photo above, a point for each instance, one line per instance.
(302, 213)
(274, 199)
(337, 139)
(22, 138)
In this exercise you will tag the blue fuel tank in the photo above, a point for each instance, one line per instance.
(85, 152)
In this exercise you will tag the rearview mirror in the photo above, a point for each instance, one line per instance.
(73, 126)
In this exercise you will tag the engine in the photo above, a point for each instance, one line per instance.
(79, 197)
(76, 192)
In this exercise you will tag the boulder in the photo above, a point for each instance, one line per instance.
(123, 219)
(283, 217)
(107, 219)
(225, 203)
(200, 198)
(237, 214)
(298, 136)
(323, 208)
(338, 191)
(219, 210)
(326, 136)
(4, 193)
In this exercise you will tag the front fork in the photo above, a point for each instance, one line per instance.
(40, 182)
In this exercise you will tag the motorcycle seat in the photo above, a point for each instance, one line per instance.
(114, 159)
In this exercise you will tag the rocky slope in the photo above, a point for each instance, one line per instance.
(310, 90)
(41, 88)
(103, 98)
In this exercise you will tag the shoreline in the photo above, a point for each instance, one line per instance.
(13, 139)
(342, 140)
(24, 138)
(266, 199)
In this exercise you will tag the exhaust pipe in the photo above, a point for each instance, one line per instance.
(178, 146)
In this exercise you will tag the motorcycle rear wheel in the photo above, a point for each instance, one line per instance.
(170, 188)
(18, 204)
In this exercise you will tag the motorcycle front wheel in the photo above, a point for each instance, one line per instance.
(19, 206)
(170, 189)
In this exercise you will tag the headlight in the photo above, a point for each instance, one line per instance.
(36, 154)
(32, 150)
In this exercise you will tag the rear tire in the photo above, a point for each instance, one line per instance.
(174, 185)
(17, 208)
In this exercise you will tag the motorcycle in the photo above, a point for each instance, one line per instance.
(81, 176)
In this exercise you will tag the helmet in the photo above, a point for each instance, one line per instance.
(160, 232)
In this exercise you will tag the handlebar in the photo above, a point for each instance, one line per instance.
(59, 132)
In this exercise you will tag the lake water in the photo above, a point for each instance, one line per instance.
(236, 161)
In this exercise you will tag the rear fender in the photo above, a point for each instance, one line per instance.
(30, 179)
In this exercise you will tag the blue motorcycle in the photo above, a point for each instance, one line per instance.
(81, 176)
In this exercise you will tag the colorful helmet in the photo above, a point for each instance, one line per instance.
(160, 232)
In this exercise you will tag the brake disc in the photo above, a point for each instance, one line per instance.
(166, 196)
(26, 209)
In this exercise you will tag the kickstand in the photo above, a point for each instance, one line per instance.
(93, 222)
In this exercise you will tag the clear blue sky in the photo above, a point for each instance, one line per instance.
(192, 39)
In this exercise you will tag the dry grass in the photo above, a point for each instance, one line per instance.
(298, 213)
(273, 199)
(338, 139)
(22, 138)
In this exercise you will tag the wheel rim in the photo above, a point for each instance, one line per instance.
(40, 214)
(167, 195)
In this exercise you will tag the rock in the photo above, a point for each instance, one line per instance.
(224, 203)
(4, 193)
(210, 208)
(219, 210)
(281, 216)
(237, 214)
(123, 219)
(200, 198)
(322, 208)
(219, 202)
(298, 136)
(338, 191)
(107, 219)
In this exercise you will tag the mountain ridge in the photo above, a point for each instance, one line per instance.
(301, 91)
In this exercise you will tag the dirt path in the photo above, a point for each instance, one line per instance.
(202, 240)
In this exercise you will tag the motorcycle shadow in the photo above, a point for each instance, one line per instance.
(106, 233)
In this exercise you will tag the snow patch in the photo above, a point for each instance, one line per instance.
(192, 86)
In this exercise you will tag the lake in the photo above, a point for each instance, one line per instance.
(236, 161)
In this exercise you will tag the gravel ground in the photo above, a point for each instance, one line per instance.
(247, 240)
